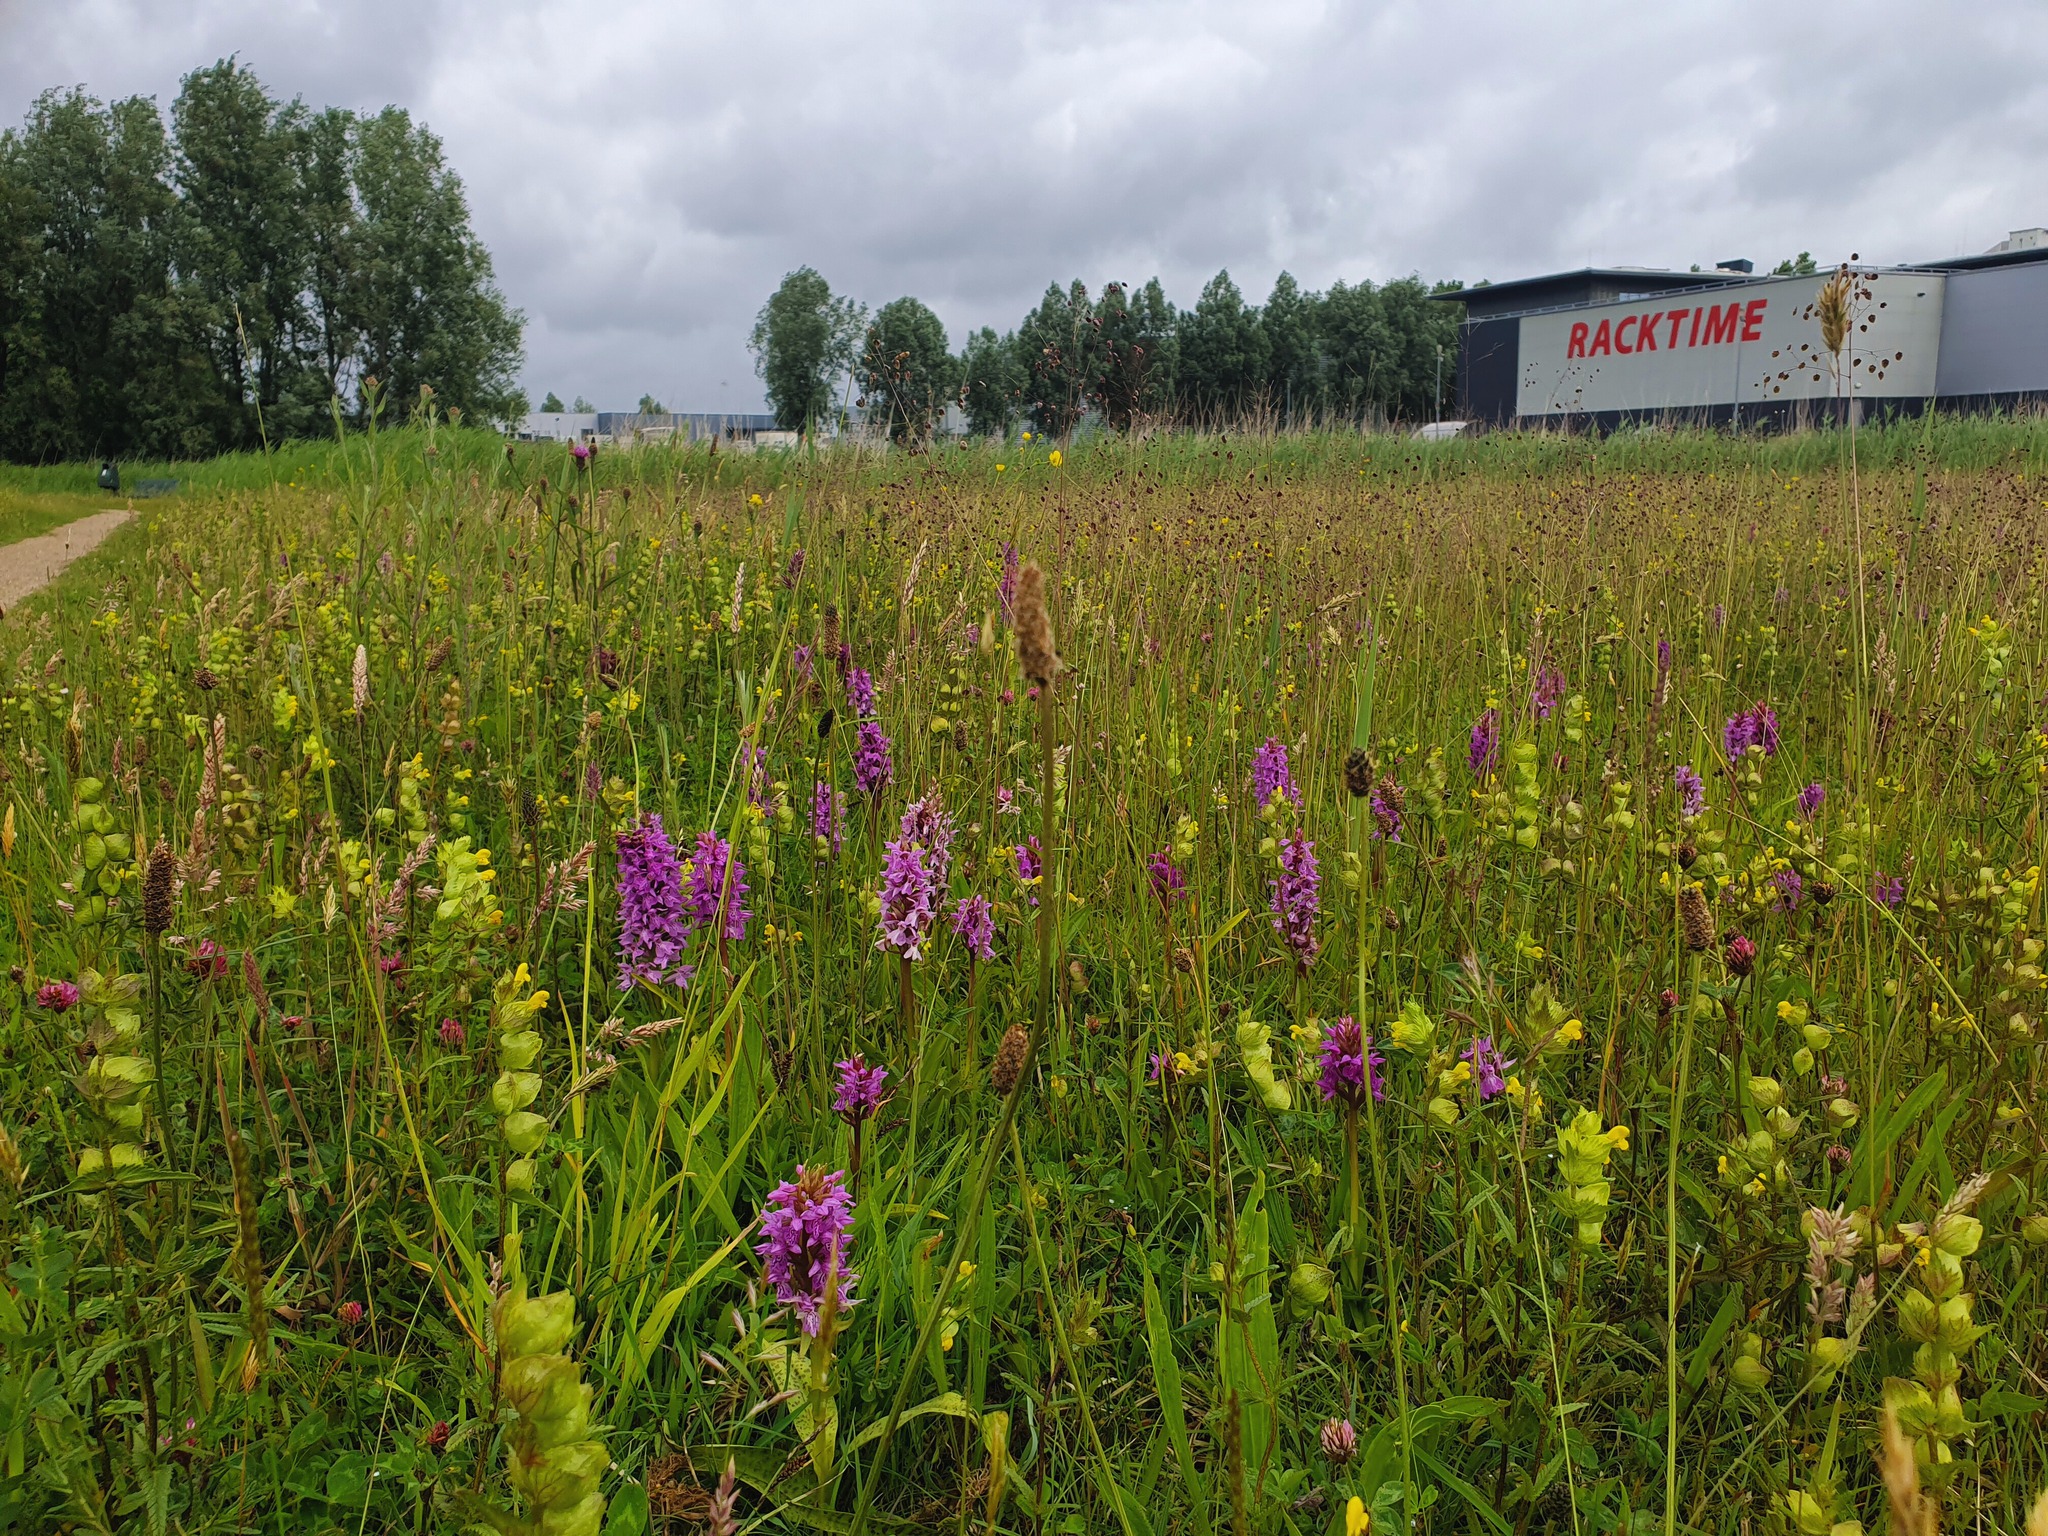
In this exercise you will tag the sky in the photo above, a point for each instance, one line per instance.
(644, 172)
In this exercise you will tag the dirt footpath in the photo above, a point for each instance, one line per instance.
(29, 563)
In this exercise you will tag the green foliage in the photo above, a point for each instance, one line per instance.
(907, 375)
(992, 383)
(219, 287)
(1058, 349)
(1223, 354)
(803, 339)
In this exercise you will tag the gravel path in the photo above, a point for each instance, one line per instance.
(29, 563)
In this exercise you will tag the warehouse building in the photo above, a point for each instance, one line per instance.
(1607, 345)
(624, 427)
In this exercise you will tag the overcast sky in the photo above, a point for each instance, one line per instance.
(645, 171)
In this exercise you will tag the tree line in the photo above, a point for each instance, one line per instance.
(1124, 357)
(226, 279)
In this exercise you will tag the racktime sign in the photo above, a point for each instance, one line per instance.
(1755, 343)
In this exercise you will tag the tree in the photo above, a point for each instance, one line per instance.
(582, 407)
(1419, 332)
(243, 248)
(1289, 322)
(176, 295)
(1352, 351)
(649, 406)
(324, 154)
(1223, 353)
(907, 373)
(802, 339)
(1057, 346)
(429, 310)
(1801, 265)
(1133, 355)
(992, 380)
(100, 354)
(553, 403)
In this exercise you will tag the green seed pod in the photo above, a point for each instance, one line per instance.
(1749, 1375)
(513, 1091)
(562, 1477)
(1918, 1316)
(537, 1325)
(582, 1519)
(1958, 1235)
(1809, 1515)
(1309, 1286)
(524, 1379)
(120, 846)
(525, 1131)
(2035, 1228)
(519, 1175)
(1954, 1330)
(89, 790)
(93, 851)
(1830, 1354)
(1768, 1092)
(517, 1051)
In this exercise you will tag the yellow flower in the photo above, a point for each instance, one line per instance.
(754, 500)
(1001, 467)
(1027, 437)
(1618, 1135)
(1356, 1521)
(1571, 1029)
(1053, 458)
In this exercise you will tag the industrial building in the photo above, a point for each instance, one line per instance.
(643, 427)
(1603, 346)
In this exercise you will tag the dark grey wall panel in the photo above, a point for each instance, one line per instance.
(1994, 332)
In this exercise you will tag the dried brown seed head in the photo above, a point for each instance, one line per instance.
(1009, 1063)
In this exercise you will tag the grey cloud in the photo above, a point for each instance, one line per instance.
(645, 172)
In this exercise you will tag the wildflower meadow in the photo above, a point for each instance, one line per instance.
(1292, 985)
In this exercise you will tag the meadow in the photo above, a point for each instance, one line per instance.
(1288, 984)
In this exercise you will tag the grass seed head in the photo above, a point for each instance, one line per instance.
(1035, 652)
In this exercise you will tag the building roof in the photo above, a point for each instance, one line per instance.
(1586, 285)
(2008, 257)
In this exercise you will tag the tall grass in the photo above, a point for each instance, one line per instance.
(277, 1282)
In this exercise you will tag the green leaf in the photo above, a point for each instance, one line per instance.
(1166, 1379)
(1475, 1501)
(2001, 1404)
(1716, 1334)
(950, 1403)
